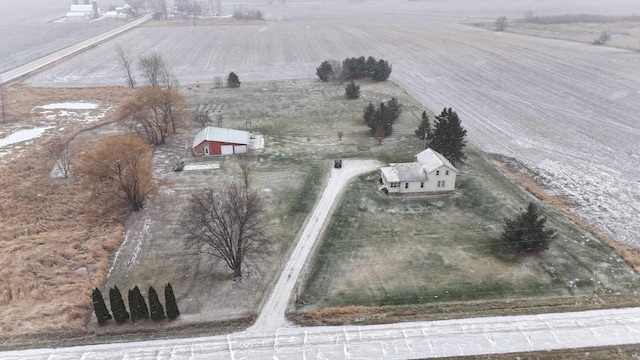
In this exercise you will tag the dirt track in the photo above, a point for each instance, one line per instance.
(272, 314)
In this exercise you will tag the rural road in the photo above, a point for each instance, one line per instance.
(391, 341)
(60, 54)
(272, 315)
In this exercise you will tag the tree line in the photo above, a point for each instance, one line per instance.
(138, 309)
(355, 69)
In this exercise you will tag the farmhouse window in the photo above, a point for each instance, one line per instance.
(406, 185)
(440, 183)
(437, 172)
(446, 172)
(422, 184)
(443, 183)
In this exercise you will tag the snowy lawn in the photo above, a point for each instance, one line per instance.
(389, 250)
(300, 143)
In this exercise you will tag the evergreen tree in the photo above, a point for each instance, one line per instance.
(170, 303)
(526, 232)
(424, 130)
(369, 114)
(155, 307)
(118, 309)
(142, 309)
(381, 71)
(380, 120)
(99, 307)
(325, 71)
(232, 80)
(134, 308)
(449, 136)
(352, 91)
(371, 65)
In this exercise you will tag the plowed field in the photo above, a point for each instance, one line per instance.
(568, 111)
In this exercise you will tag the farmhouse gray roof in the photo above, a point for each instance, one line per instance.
(405, 172)
(431, 160)
(223, 135)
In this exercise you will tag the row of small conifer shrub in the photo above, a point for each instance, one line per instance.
(138, 309)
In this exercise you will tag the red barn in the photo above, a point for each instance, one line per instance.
(219, 141)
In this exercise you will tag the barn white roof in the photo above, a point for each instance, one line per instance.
(231, 136)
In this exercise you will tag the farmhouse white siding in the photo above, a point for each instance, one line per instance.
(429, 173)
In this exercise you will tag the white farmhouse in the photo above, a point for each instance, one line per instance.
(429, 173)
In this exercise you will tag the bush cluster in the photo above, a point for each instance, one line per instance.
(359, 68)
(138, 309)
(238, 14)
(354, 69)
(380, 119)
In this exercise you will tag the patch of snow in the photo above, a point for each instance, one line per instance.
(23, 135)
(213, 166)
(70, 105)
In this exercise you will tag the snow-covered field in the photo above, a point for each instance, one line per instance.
(567, 110)
(29, 31)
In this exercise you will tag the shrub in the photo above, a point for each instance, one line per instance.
(232, 80)
(118, 308)
(602, 39)
(352, 91)
(324, 71)
(99, 307)
(170, 303)
(157, 312)
(526, 233)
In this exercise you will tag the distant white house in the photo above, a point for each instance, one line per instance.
(430, 172)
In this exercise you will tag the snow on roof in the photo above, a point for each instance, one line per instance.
(404, 172)
(431, 160)
(231, 136)
(81, 8)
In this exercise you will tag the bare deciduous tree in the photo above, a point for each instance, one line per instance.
(218, 117)
(244, 162)
(126, 62)
(340, 134)
(217, 82)
(154, 112)
(59, 151)
(119, 166)
(157, 71)
(201, 117)
(227, 223)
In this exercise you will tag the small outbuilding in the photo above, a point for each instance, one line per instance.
(220, 141)
(429, 173)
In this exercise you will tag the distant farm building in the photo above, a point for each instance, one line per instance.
(219, 141)
(83, 12)
(429, 173)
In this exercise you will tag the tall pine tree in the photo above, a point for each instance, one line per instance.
(118, 309)
(324, 71)
(170, 303)
(155, 306)
(99, 307)
(134, 307)
(380, 119)
(526, 232)
(449, 136)
(425, 132)
(143, 310)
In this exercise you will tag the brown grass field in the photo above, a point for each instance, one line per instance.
(51, 230)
